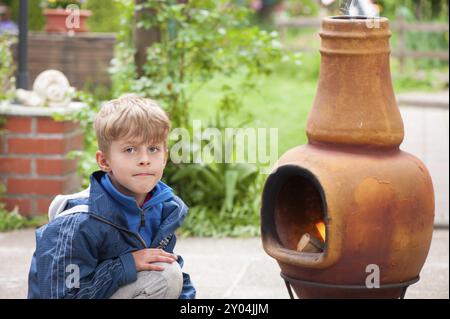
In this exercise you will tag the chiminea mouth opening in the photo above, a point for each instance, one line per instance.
(294, 211)
(348, 17)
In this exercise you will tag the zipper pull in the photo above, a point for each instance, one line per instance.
(142, 219)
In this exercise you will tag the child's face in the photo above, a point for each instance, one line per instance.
(134, 168)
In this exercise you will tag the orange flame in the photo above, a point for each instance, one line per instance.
(321, 229)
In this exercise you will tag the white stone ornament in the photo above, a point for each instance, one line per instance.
(51, 88)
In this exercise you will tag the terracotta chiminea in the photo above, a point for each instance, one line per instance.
(369, 205)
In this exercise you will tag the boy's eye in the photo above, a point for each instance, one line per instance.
(153, 149)
(129, 149)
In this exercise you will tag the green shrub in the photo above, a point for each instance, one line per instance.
(85, 117)
(199, 41)
(105, 15)
(59, 4)
(7, 80)
(36, 20)
(14, 220)
(421, 9)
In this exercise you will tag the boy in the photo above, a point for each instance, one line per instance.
(116, 238)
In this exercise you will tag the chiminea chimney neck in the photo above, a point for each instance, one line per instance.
(355, 102)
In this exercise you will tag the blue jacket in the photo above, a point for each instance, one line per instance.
(146, 220)
(96, 245)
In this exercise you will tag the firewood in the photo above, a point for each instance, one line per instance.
(309, 244)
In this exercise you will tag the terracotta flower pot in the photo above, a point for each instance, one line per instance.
(62, 20)
(376, 201)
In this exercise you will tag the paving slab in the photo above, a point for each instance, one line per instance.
(424, 99)
(427, 137)
(223, 268)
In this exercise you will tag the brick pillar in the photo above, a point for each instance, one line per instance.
(33, 158)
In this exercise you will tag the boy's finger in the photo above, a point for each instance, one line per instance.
(165, 253)
(162, 259)
(159, 251)
(173, 256)
(153, 267)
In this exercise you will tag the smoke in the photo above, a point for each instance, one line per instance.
(359, 8)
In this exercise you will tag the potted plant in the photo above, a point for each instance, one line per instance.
(65, 16)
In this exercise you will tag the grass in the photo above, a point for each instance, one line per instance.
(284, 99)
(281, 100)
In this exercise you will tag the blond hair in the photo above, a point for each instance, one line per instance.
(139, 119)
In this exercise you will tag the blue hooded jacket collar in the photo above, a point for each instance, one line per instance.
(160, 193)
(98, 196)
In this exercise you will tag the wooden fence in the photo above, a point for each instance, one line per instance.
(400, 26)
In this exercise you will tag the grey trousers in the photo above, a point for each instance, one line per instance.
(165, 284)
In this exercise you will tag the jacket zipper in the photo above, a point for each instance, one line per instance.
(138, 236)
(142, 218)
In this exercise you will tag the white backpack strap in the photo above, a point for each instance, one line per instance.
(74, 210)
(59, 203)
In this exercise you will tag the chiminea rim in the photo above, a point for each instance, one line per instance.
(349, 18)
(271, 240)
(357, 27)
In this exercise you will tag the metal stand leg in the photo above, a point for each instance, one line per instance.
(287, 280)
(402, 296)
(288, 286)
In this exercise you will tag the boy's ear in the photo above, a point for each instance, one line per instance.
(166, 156)
(102, 161)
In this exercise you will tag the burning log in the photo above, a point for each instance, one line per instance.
(309, 244)
(321, 229)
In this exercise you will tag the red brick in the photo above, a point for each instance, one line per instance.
(43, 186)
(2, 141)
(15, 165)
(35, 186)
(43, 204)
(74, 143)
(24, 204)
(55, 166)
(36, 146)
(48, 125)
(45, 145)
(18, 124)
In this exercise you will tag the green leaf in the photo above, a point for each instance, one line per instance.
(231, 178)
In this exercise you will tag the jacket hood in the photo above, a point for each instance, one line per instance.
(160, 193)
(97, 201)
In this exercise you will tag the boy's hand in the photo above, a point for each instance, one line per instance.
(145, 257)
